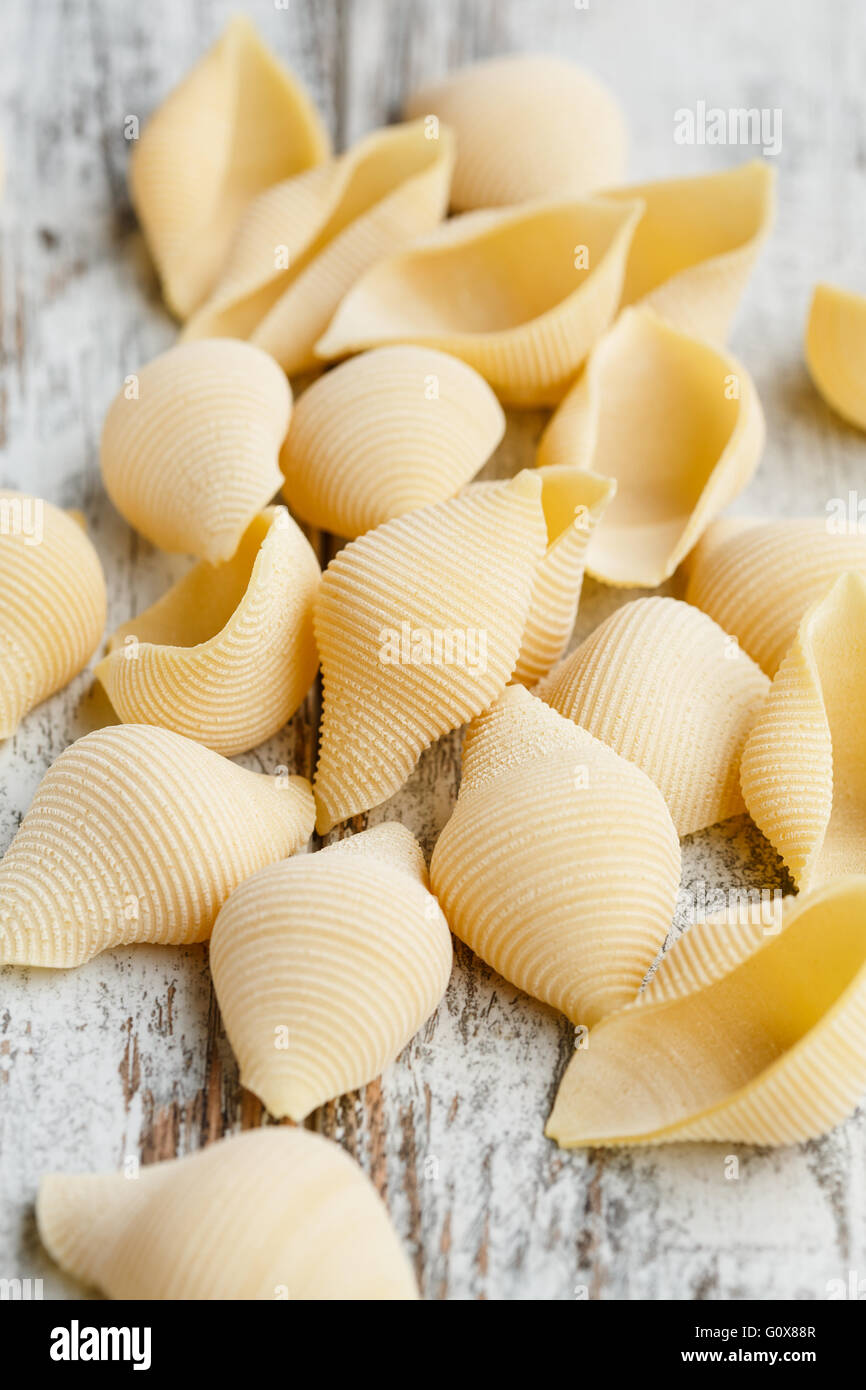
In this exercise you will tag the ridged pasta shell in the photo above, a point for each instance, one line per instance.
(757, 578)
(677, 423)
(228, 654)
(52, 603)
(138, 834)
(190, 445)
(418, 625)
(238, 123)
(836, 350)
(660, 683)
(520, 294)
(326, 965)
(560, 864)
(303, 244)
(385, 433)
(273, 1213)
(527, 126)
(804, 766)
(771, 1051)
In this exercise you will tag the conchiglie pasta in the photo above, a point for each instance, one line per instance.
(326, 965)
(52, 603)
(273, 1213)
(228, 654)
(138, 834)
(836, 350)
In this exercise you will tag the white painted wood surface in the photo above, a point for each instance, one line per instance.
(127, 1055)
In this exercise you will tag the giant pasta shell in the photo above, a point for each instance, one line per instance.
(665, 687)
(560, 864)
(228, 654)
(771, 1050)
(190, 445)
(385, 433)
(677, 423)
(52, 603)
(274, 1213)
(836, 350)
(326, 965)
(238, 123)
(520, 294)
(527, 126)
(419, 624)
(138, 834)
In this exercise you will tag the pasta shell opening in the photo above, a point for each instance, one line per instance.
(836, 351)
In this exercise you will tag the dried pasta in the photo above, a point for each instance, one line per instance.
(836, 350)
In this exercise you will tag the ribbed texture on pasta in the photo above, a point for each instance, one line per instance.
(665, 687)
(385, 433)
(52, 603)
(274, 1213)
(191, 457)
(707, 950)
(460, 574)
(137, 834)
(230, 690)
(510, 292)
(836, 350)
(326, 965)
(560, 864)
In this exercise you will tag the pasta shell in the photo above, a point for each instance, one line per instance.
(665, 687)
(138, 834)
(238, 123)
(418, 625)
(796, 1010)
(190, 445)
(757, 578)
(273, 1213)
(527, 126)
(52, 603)
(560, 864)
(677, 423)
(385, 433)
(326, 965)
(836, 351)
(520, 294)
(804, 766)
(228, 654)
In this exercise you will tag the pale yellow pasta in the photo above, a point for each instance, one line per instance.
(766, 1046)
(326, 965)
(677, 423)
(190, 445)
(418, 625)
(836, 350)
(303, 244)
(274, 1214)
(385, 433)
(521, 294)
(665, 687)
(138, 834)
(52, 603)
(238, 123)
(527, 126)
(560, 864)
(228, 654)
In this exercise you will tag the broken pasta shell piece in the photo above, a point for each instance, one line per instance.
(560, 864)
(238, 123)
(836, 351)
(272, 1213)
(521, 295)
(677, 423)
(325, 966)
(138, 834)
(665, 1072)
(804, 766)
(190, 445)
(660, 683)
(303, 244)
(228, 654)
(53, 603)
(418, 625)
(385, 433)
